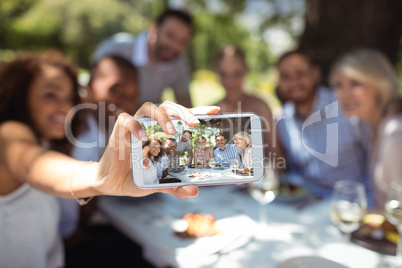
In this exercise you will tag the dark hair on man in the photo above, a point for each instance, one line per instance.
(220, 135)
(304, 54)
(120, 62)
(178, 14)
(187, 131)
(16, 79)
(171, 139)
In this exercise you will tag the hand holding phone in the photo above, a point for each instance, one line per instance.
(113, 172)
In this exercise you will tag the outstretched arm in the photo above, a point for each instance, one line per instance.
(58, 174)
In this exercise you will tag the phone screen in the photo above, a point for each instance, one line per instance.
(221, 149)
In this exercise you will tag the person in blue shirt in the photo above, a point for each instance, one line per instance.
(320, 144)
(225, 152)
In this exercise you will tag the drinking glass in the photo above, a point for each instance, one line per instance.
(234, 164)
(264, 191)
(248, 161)
(393, 209)
(348, 206)
(200, 160)
(212, 162)
(183, 160)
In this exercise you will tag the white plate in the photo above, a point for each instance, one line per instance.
(203, 176)
(309, 262)
(238, 231)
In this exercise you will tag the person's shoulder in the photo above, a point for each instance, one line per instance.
(392, 126)
(15, 130)
(326, 94)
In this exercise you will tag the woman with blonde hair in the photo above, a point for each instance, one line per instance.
(366, 85)
(243, 140)
(203, 151)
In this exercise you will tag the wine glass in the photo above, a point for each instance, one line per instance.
(183, 161)
(248, 161)
(212, 162)
(264, 191)
(393, 209)
(234, 164)
(348, 206)
(200, 160)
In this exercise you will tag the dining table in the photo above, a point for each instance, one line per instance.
(290, 233)
(186, 174)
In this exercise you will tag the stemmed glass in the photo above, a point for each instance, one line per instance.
(393, 209)
(234, 164)
(348, 206)
(248, 161)
(200, 160)
(264, 191)
(212, 162)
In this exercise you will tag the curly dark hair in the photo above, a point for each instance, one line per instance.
(159, 156)
(16, 78)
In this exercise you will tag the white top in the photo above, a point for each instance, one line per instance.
(150, 174)
(29, 235)
(386, 164)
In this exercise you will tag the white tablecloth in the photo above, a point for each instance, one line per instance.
(290, 232)
(209, 174)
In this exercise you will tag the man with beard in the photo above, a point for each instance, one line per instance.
(184, 144)
(169, 147)
(225, 152)
(321, 145)
(157, 53)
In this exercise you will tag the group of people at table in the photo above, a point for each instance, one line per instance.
(40, 160)
(159, 157)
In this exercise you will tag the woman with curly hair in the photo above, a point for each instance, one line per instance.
(36, 94)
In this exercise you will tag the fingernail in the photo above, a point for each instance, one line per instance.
(170, 127)
(193, 120)
(143, 136)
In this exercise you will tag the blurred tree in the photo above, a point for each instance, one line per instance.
(73, 26)
(333, 28)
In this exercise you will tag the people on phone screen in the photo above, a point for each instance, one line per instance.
(225, 152)
(243, 140)
(184, 144)
(155, 154)
(203, 154)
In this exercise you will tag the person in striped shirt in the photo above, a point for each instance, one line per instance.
(225, 152)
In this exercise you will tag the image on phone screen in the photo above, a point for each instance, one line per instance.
(221, 149)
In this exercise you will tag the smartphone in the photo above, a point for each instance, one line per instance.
(223, 149)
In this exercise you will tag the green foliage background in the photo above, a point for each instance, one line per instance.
(155, 131)
(77, 26)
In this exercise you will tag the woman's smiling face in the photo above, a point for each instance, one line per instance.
(355, 98)
(155, 148)
(50, 98)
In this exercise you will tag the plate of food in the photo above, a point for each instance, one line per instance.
(377, 234)
(198, 175)
(244, 172)
(218, 167)
(202, 234)
(178, 169)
